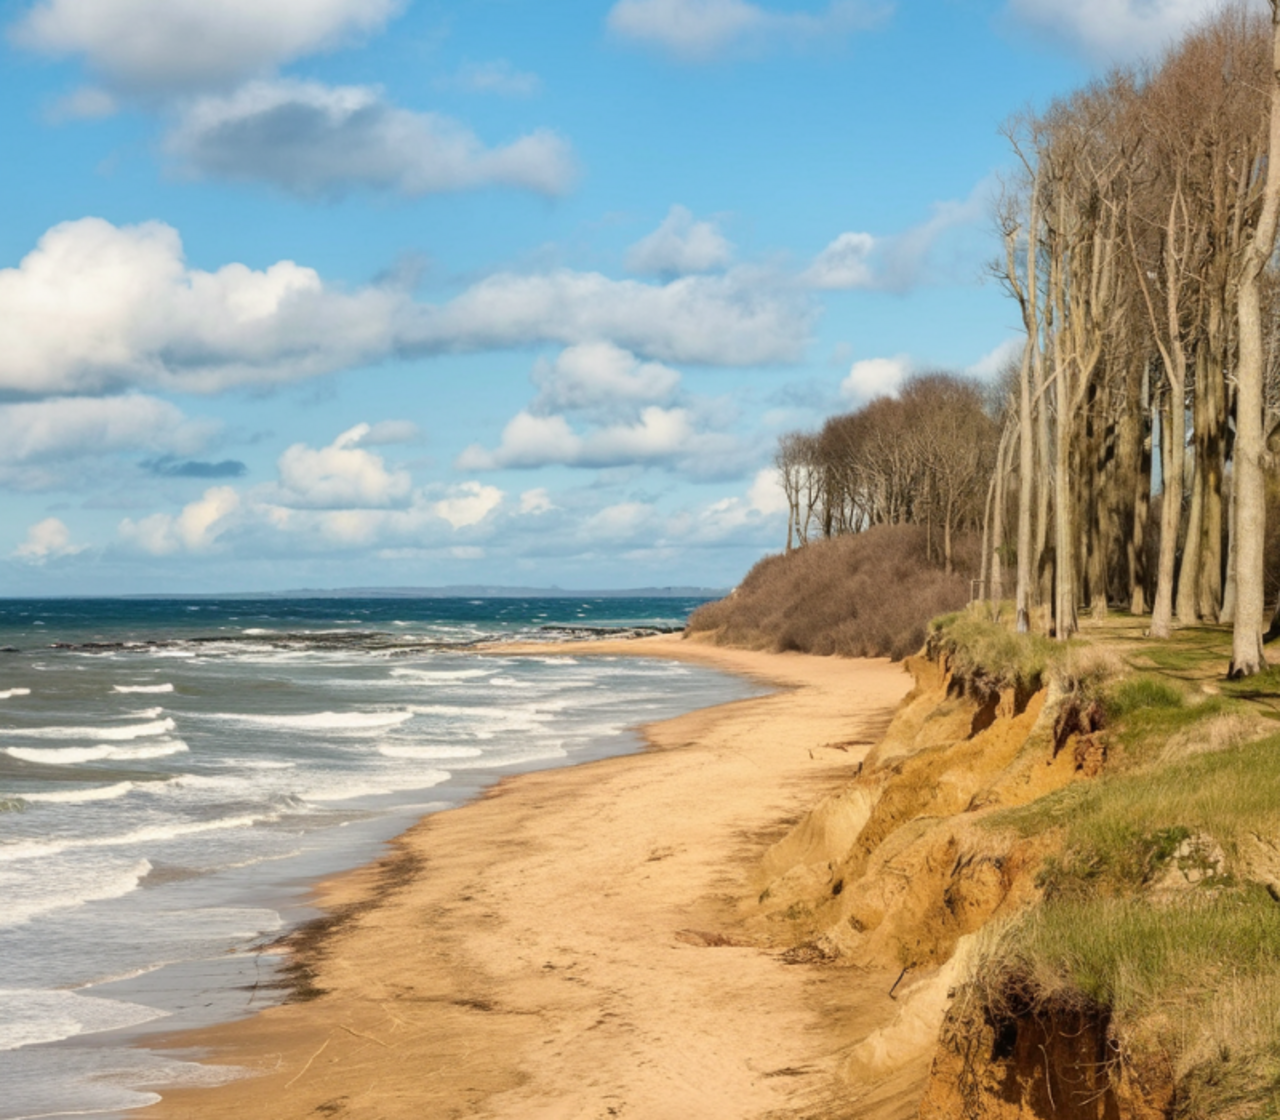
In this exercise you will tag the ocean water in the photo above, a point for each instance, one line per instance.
(174, 774)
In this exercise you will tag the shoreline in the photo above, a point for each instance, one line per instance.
(571, 943)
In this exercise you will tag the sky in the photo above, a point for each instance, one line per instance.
(337, 293)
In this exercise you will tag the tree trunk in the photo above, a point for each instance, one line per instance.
(1247, 656)
(1026, 482)
(1172, 442)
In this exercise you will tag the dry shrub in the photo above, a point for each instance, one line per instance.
(867, 594)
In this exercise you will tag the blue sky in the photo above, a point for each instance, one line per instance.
(383, 292)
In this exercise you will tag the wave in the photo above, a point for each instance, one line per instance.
(142, 688)
(29, 1016)
(349, 790)
(428, 753)
(33, 849)
(329, 721)
(442, 674)
(69, 756)
(131, 731)
(115, 884)
(75, 796)
(10, 693)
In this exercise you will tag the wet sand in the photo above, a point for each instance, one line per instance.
(571, 947)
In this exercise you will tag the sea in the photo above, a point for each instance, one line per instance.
(176, 774)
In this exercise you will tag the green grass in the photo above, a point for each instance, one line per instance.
(1198, 982)
(982, 648)
(1133, 694)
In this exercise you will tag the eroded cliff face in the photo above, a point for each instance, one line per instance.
(897, 871)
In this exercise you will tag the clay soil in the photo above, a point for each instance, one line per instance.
(572, 946)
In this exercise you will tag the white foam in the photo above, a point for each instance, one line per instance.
(131, 731)
(33, 849)
(75, 796)
(142, 688)
(69, 756)
(146, 713)
(348, 790)
(29, 1016)
(329, 721)
(27, 897)
(442, 674)
(391, 750)
(256, 631)
(10, 693)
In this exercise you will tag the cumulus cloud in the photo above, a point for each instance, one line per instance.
(46, 540)
(468, 504)
(996, 361)
(340, 476)
(184, 45)
(845, 263)
(96, 307)
(735, 319)
(655, 436)
(680, 245)
(875, 377)
(536, 502)
(898, 262)
(696, 30)
(498, 76)
(316, 140)
(1110, 30)
(195, 529)
(600, 377)
(386, 432)
(46, 444)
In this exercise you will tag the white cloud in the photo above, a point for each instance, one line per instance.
(536, 502)
(386, 432)
(53, 431)
(845, 263)
(735, 319)
(900, 261)
(1111, 30)
(195, 529)
(313, 140)
(766, 495)
(875, 377)
(46, 540)
(619, 522)
(679, 246)
(469, 504)
(657, 435)
(498, 76)
(695, 30)
(340, 476)
(598, 376)
(995, 361)
(176, 45)
(96, 307)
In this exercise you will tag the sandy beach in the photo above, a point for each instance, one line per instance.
(572, 945)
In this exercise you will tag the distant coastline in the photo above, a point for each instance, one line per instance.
(460, 591)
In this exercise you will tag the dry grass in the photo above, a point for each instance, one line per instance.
(867, 594)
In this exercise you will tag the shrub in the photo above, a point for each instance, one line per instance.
(867, 594)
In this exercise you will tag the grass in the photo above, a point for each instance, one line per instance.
(1198, 983)
(980, 647)
(1151, 906)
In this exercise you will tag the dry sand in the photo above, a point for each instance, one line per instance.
(570, 946)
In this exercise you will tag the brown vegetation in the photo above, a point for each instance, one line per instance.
(868, 594)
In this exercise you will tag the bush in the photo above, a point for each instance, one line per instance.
(867, 594)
